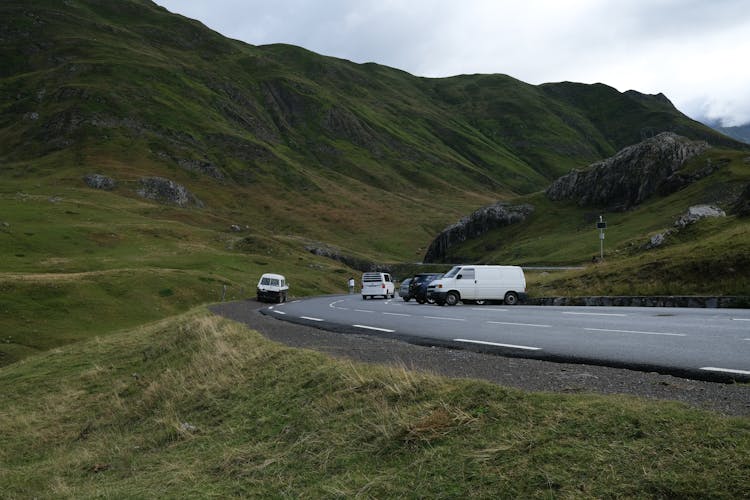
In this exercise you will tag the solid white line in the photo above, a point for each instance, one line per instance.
(311, 319)
(725, 370)
(397, 314)
(488, 309)
(518, 324)
(633, 331)
(595, 314)
(363, 311)
(525, 347)
(443, 317)
(279, 312)
(374, 328)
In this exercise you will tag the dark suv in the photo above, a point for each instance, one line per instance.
(418, 286)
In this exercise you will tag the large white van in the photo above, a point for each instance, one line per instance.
(479, 283)
(377, 284)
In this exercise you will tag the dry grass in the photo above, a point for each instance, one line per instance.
(197, 406)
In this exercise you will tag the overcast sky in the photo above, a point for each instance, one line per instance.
(697, 52)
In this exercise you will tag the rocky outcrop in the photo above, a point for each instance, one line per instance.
(99, 181)
(693, 215)
(348, 260)
(632, 175)
(696, 213)
(167, 191)
(475, 225)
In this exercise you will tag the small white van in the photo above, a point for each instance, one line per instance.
(272, 288)
(479, 283)
(377, 284)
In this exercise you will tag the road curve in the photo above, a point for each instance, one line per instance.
(703, 344)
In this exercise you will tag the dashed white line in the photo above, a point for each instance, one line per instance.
(374, 328)
(310, 318)
(397, 314)
(488, 309)
(635, 331)
(595, 314)
(740, 319)
(725, 370)
(518, 324)
(444, 318)
(495, 344)
(363, 311)
(279, 312)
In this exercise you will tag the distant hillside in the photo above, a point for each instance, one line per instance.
(131, 81)
(740, 133)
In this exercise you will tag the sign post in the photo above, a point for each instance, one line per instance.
(601, 226)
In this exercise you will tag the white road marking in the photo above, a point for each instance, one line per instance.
(725, 370)
(444, 318)
(363, 311)
(740, 319)
(397, 314)
(595, 314)
(634, 331)
(512, 346)
(332, 305)
(311, 319)
(518, 324)
(488, 309)
(279, 312)
(374, 328)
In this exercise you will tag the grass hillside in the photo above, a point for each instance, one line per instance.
(290, 147)
(197, 406)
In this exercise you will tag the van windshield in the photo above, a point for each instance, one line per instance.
(452, 272)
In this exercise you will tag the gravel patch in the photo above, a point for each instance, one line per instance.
(525, 374)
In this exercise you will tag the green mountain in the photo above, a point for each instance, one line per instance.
(274, 148)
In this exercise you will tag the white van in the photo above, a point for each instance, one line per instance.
(479, 283)
(380, 284)
(272, 288)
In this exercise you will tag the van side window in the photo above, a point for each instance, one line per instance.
(467, 273)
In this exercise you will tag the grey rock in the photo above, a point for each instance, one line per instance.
(630, 176)
(698, 212)
(99, 181)
(203, 167)
(349, 260)
(478, 223)
(167, 191)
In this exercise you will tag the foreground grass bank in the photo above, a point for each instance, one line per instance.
(195, 405)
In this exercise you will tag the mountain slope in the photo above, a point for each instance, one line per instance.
(129, 76)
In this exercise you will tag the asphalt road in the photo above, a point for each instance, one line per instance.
(705, 344)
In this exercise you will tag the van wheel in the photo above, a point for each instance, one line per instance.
(406, 299)
(511, 298)
(451, 298)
